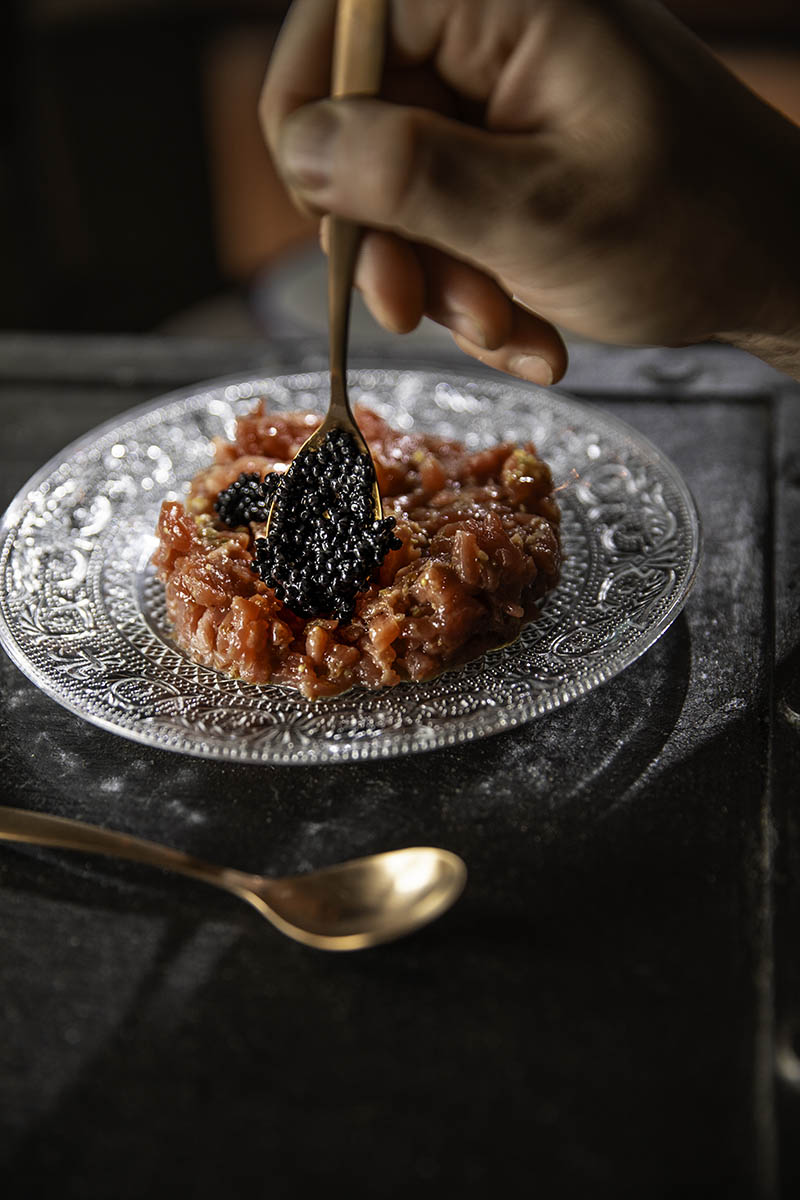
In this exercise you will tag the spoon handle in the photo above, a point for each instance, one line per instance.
(359, 47)
(344, 238)
(358, 53)
(40, 829)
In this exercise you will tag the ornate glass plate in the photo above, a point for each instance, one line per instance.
(82, 614)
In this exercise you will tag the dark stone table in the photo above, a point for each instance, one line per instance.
(613, 1008)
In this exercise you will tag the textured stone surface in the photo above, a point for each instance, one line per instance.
(595, 1015)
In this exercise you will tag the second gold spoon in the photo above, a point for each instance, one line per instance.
(348, 906)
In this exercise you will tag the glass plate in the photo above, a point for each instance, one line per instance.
(82, 614)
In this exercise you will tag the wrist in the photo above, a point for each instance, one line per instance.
(781, 351)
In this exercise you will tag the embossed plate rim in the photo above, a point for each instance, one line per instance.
(472, 725)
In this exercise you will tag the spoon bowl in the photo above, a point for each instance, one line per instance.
(363, 902)
(348, 906)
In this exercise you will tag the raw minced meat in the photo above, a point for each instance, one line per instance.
(479, 546)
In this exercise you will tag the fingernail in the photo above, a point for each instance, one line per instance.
(532, 368)
(467, 326)
(306, 148)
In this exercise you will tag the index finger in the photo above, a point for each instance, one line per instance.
(300, 67)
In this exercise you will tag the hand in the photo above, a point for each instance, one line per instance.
(590, 163)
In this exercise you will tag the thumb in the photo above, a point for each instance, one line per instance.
(411, 171)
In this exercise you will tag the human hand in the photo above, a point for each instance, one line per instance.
(590, 163)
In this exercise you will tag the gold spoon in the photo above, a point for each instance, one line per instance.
(348, 906)
(358, 53)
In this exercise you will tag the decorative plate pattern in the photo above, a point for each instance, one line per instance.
(82, 614)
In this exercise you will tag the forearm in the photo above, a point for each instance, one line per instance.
(781, 351)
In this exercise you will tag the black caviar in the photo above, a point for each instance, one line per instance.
(324, 543)
(247, 499)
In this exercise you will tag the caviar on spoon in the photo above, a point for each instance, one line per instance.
(325, 538)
